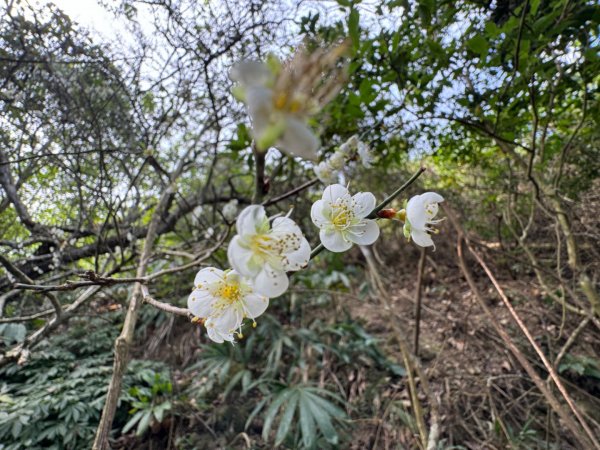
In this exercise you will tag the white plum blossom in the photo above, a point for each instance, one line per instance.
(365, 154)
(342, 218)
(230, 209)
(224, 299)
(420, 213)
(325, 173)
(337, 161)
(265, 253)
(328, 171)
(349, 146)
(281, 97)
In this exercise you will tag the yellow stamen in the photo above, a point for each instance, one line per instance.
(295, 106)
(280, 100)
(230, 292)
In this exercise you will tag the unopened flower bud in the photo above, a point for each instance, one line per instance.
(388, 213)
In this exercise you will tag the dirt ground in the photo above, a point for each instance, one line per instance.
(486, 400)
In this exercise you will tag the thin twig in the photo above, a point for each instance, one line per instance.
(25, 279)
(571, 341)
(418, 299)
(165, 306)
(291, 193)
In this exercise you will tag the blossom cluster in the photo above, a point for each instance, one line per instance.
(328, 171)
(265, 251)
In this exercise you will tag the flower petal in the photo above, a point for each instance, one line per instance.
(255, 305)
(422, 238)
(364, 203)
(334, 241)
(271, 283)
(260, 107)
(251, 219)
(431, 197)
(364, 233)
(415, 213)
(207, 276)
(250, 73)
(219, 336)
(335, 192)
(299, 140)
(200, 303)
(230, 319)
(240, 258)
(430, 202)
(318, 213)
(299, 259)
(285, 225)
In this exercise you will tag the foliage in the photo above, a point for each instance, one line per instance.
(55, 400)
(151, 401)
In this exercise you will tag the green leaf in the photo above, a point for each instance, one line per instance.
(492, 30)
(322, 416)
(129, 425)
(272, 411)
(159, 411)
(254, 412)
(286, 419)
(307, 422)
(144, 423)
(478, 44)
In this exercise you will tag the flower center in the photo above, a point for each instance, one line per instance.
(342, 215)
(230, 293)
(282, 101)
(261, 243)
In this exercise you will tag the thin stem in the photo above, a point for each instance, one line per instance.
(300, 188)
(259, 179)
(396, 193)
(419, 296)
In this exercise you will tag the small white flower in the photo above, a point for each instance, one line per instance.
(325, 173)
(281, 97)
(349, 146)
(420, 213)
(230, 209)
(264, 253)
(342, 218)
(224, 299)
(210, 232)
(337, 160)
(365, 154)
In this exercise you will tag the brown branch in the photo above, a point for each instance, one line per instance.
(165, 306)
(125, 339)
(27, 318)
(412, 366)
(572, 338)
(24, 278)
(419, 295)
(291, 193)
(260, 185)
